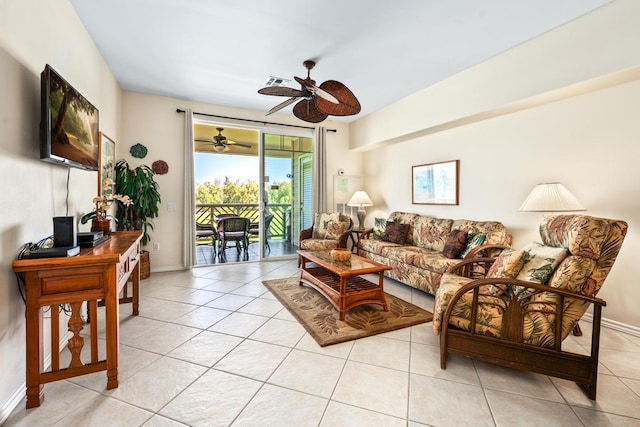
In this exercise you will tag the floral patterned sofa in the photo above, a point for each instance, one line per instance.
(420, 249)
(509, 317)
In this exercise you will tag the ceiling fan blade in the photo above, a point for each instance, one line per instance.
(348, 103)
(311, 87)
(283, 91)
(237, 144)
(282, 105)
(308, 111)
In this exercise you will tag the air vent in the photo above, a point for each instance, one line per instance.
(277, 81)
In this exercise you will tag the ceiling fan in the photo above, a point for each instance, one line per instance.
(331, 98)
(221, 143)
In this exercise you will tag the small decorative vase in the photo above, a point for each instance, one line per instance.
(103, 225)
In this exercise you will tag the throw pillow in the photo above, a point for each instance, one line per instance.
(539, 264)
(379, 226)
(455, 244)
(473, 241)
(395, 232)
(506, 266)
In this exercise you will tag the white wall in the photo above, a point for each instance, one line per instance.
(562, 107)
(32, 34)
(153, 121)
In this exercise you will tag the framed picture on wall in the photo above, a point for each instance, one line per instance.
(107, 165)
(435, 183)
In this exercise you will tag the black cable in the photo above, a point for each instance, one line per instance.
(67, 199)
(25, 250)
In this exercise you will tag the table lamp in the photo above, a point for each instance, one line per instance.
(360, 199)
(550, 197)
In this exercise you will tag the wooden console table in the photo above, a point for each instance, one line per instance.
(97, 274)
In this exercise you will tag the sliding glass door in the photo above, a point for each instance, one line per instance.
(261, 175)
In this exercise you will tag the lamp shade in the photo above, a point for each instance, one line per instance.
(550, 197)
(360, 199)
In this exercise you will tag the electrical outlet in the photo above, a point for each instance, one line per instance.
(156, 246)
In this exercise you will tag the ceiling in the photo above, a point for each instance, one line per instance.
(222, 52)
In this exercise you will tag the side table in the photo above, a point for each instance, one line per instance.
(354, 236)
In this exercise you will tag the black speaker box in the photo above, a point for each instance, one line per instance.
(64, 231)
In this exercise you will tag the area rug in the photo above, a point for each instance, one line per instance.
(322, 320)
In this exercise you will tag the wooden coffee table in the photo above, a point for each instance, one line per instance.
(340, 282)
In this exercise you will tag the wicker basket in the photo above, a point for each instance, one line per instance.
(145, 265)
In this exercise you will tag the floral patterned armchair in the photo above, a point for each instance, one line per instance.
(329, 231)
(532, 299)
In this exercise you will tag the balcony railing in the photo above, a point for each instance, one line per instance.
(280, 227)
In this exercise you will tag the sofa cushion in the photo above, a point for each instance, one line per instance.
(506, 266)
(431, 233)
(428, 259)
(395, 232)
(398, 254)
(455, 244)
(374, 246)
(473, 241)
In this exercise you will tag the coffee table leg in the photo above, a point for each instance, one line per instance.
(381, 286)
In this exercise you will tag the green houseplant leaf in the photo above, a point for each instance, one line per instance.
(139, 184)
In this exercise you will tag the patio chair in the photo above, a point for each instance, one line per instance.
(254, 231)
(234, 229)
(205, 231)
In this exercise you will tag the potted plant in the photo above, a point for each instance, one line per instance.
(142, 189)
(99, 218)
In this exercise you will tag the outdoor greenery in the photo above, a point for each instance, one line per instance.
(228, 191)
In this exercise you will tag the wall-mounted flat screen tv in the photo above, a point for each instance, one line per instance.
(69, 127)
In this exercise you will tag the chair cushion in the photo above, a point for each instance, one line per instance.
(316, 244)
(582, 235)
(455, 244)
(330, 225)
(395, 232)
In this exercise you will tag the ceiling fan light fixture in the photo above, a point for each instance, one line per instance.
(219, 148)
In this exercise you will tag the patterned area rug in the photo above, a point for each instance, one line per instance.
(322, 320)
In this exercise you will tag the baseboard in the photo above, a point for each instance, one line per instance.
(10, 405)
(616, 326)
(169, 268)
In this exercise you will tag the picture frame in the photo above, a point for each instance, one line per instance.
(435, 183)
(107, 164)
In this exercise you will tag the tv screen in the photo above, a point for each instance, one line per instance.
(69, 127)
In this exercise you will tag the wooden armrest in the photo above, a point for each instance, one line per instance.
(475, 251)
(307, 233)
(469, 267)
(366, 233)
(342, 240)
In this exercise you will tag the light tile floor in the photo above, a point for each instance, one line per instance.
(213, 347)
